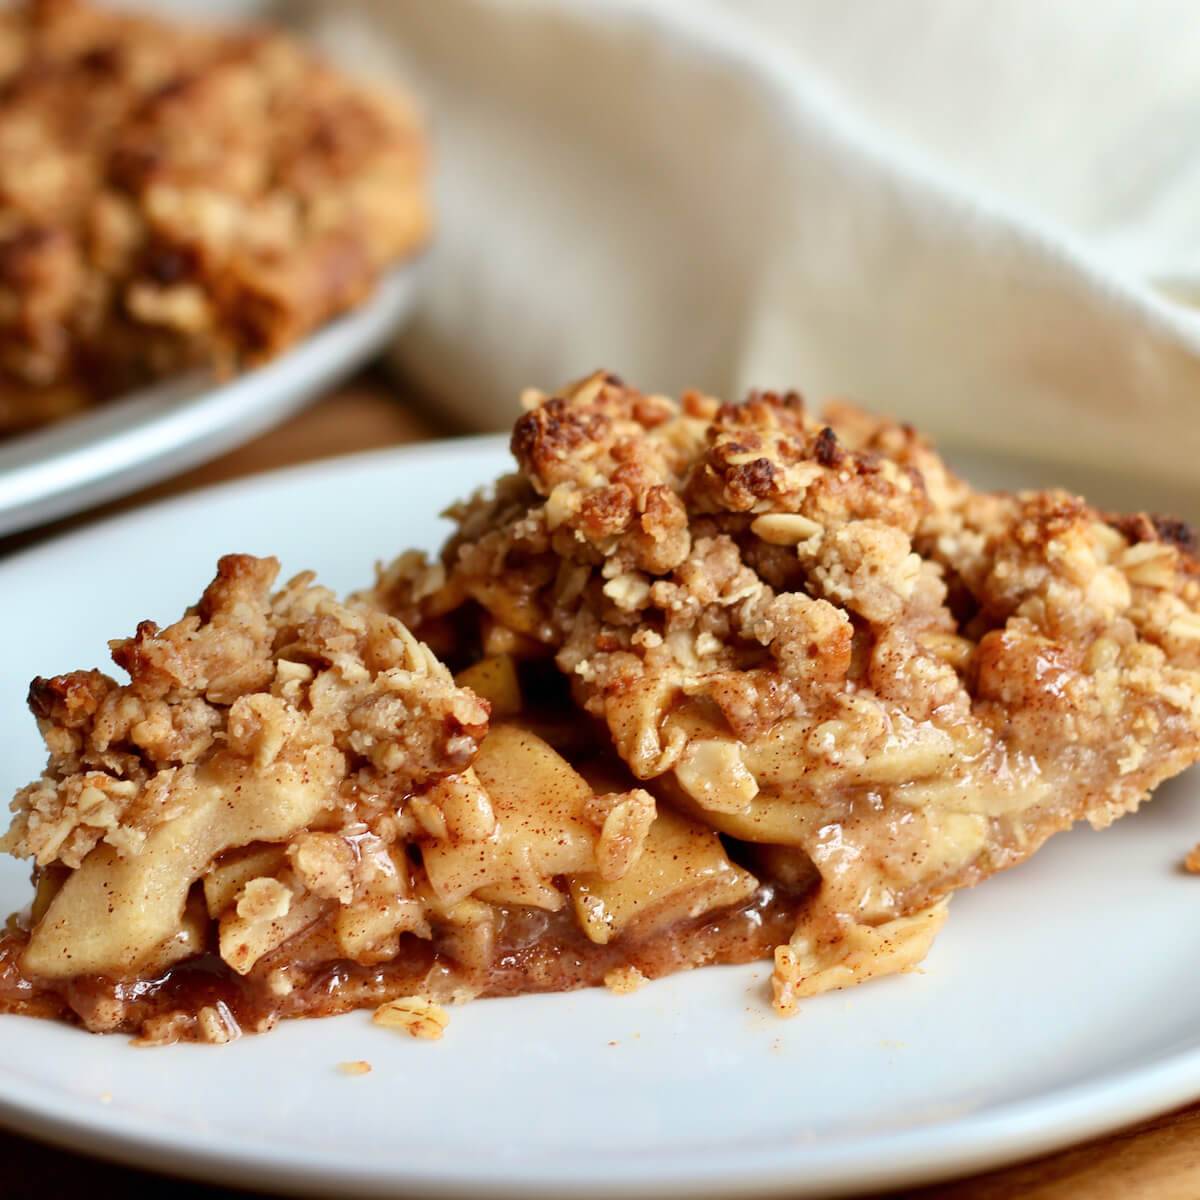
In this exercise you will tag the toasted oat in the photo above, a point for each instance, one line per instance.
(625, 825)
(217, 1024)
(415, 1015)
(359, 1066)
(624, 980)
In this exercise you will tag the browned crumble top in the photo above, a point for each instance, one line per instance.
(732, 680)
(172, 195)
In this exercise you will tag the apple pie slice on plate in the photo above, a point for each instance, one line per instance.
(699, 683)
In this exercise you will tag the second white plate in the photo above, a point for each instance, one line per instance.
(1061, 1000)
(139, 439)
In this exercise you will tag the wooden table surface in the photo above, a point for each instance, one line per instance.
(1159, 1160)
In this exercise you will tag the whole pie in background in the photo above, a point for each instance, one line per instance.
(699, 683)
(174, 196)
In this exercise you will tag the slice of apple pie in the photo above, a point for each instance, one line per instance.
(729, 681)
(808, 635)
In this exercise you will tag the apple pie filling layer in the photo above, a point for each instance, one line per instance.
(699, 683)
(202, 999)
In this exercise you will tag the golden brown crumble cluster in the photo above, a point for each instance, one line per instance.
(172, 195)
(810, 635)
(732, 680)
(248, 680)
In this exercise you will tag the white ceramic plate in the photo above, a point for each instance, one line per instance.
(1062, 999)
(144, 437)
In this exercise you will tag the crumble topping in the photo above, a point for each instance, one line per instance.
(251, 680)
(173, 195)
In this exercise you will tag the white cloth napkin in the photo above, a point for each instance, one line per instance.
(959, 211)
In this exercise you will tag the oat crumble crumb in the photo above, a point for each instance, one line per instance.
(623, 980)
(417, 1016)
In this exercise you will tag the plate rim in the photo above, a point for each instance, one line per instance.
(332, 464)
(1008, 1134)
(141, 438)
(1003, 1134)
